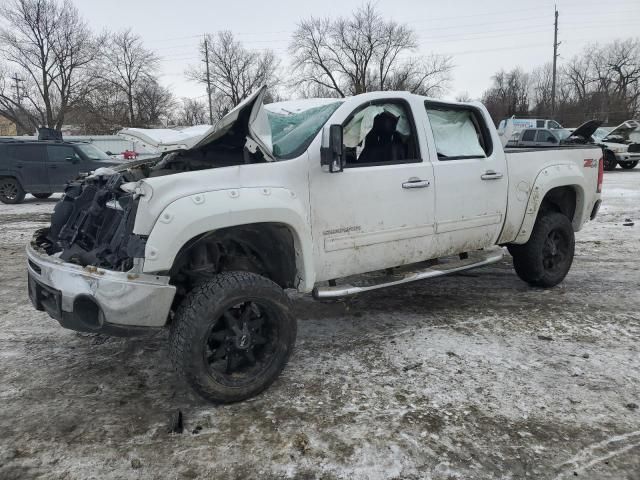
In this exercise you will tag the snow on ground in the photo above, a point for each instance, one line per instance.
(471, 376)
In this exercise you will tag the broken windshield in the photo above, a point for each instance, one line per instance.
(292, 132)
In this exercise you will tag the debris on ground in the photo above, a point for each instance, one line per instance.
(413, 366)
(175, 422)
(301, 443)
(545, 337)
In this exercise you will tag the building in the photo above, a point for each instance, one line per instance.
(7, 127)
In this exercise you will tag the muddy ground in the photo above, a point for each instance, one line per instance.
(471, 376)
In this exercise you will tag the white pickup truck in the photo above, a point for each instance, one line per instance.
(334, 197)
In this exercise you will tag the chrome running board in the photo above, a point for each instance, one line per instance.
(410, 273)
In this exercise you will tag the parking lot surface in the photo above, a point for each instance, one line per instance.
(475, 375)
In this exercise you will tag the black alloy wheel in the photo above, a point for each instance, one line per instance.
(11, 191)
(232, 335)
(555, 250)
(241, 343)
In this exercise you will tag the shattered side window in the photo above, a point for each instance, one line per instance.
(292, 133)
(456, 133)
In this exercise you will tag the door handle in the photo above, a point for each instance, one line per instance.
(414, 182)
(491, 175)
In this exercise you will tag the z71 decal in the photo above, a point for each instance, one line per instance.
(590, 163)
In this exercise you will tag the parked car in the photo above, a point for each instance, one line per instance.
(621, 146)
(43, 167)
(509, 128)
(544, 137)
(345, 196)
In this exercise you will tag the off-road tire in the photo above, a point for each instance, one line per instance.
(198, 314)
(531, 259)
(42, 196)
(629, 165)
(610, 161)
(11, 192)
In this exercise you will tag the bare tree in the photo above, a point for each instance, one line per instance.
(363, 53)
(509, 94)
(154, 104)
(192, 112)
(235, 72)
(48, 46)
(128, 66)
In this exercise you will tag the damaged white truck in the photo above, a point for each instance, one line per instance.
(334, 197)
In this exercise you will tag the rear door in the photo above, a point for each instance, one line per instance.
(470, 178)
(30, 168)
(63, 164)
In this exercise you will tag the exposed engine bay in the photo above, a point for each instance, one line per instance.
(93, 222)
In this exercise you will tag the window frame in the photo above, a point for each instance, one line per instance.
(414, 131)
(13, 151)
(479, 123)
(54, 147)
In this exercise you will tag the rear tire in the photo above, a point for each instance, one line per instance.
(629, 165)
(610, 161)
(11, 192)
(546, 258)
(41, 196)
(232, 336)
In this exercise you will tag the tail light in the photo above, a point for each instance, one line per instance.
(600, 174)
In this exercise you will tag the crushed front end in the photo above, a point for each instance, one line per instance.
(84, 269)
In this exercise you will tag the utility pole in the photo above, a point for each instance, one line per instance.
(555, 58)
(206, 61)
(17, 81)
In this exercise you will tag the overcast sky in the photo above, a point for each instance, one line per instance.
(481, 36)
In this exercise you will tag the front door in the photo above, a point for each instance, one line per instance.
(63, 163)
(471, 179)
(379, 211)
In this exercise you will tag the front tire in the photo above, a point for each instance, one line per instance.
(546, 258)
(610, 161)
(232, 336)
(11, 192)
(629, 165)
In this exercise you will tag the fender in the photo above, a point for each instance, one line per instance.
(199, 213)
(553, 176)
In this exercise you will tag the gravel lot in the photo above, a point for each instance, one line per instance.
(471, 376)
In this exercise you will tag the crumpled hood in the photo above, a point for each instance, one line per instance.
(623, 132)
(249, 117)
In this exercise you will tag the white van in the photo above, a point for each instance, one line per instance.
(509, 128)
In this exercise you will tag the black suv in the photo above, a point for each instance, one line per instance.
(43, 167)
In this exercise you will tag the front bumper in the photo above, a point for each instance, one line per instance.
(627, 157)
(91, 299)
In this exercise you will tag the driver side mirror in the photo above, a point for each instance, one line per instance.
(551, 139)
(332, 149)
(72, 159)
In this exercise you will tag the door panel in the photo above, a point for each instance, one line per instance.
(61, 170)
(364, 220)
(372, 215)
(30, 166)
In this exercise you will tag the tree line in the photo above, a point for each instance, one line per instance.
(55, 71)
(602, 82)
